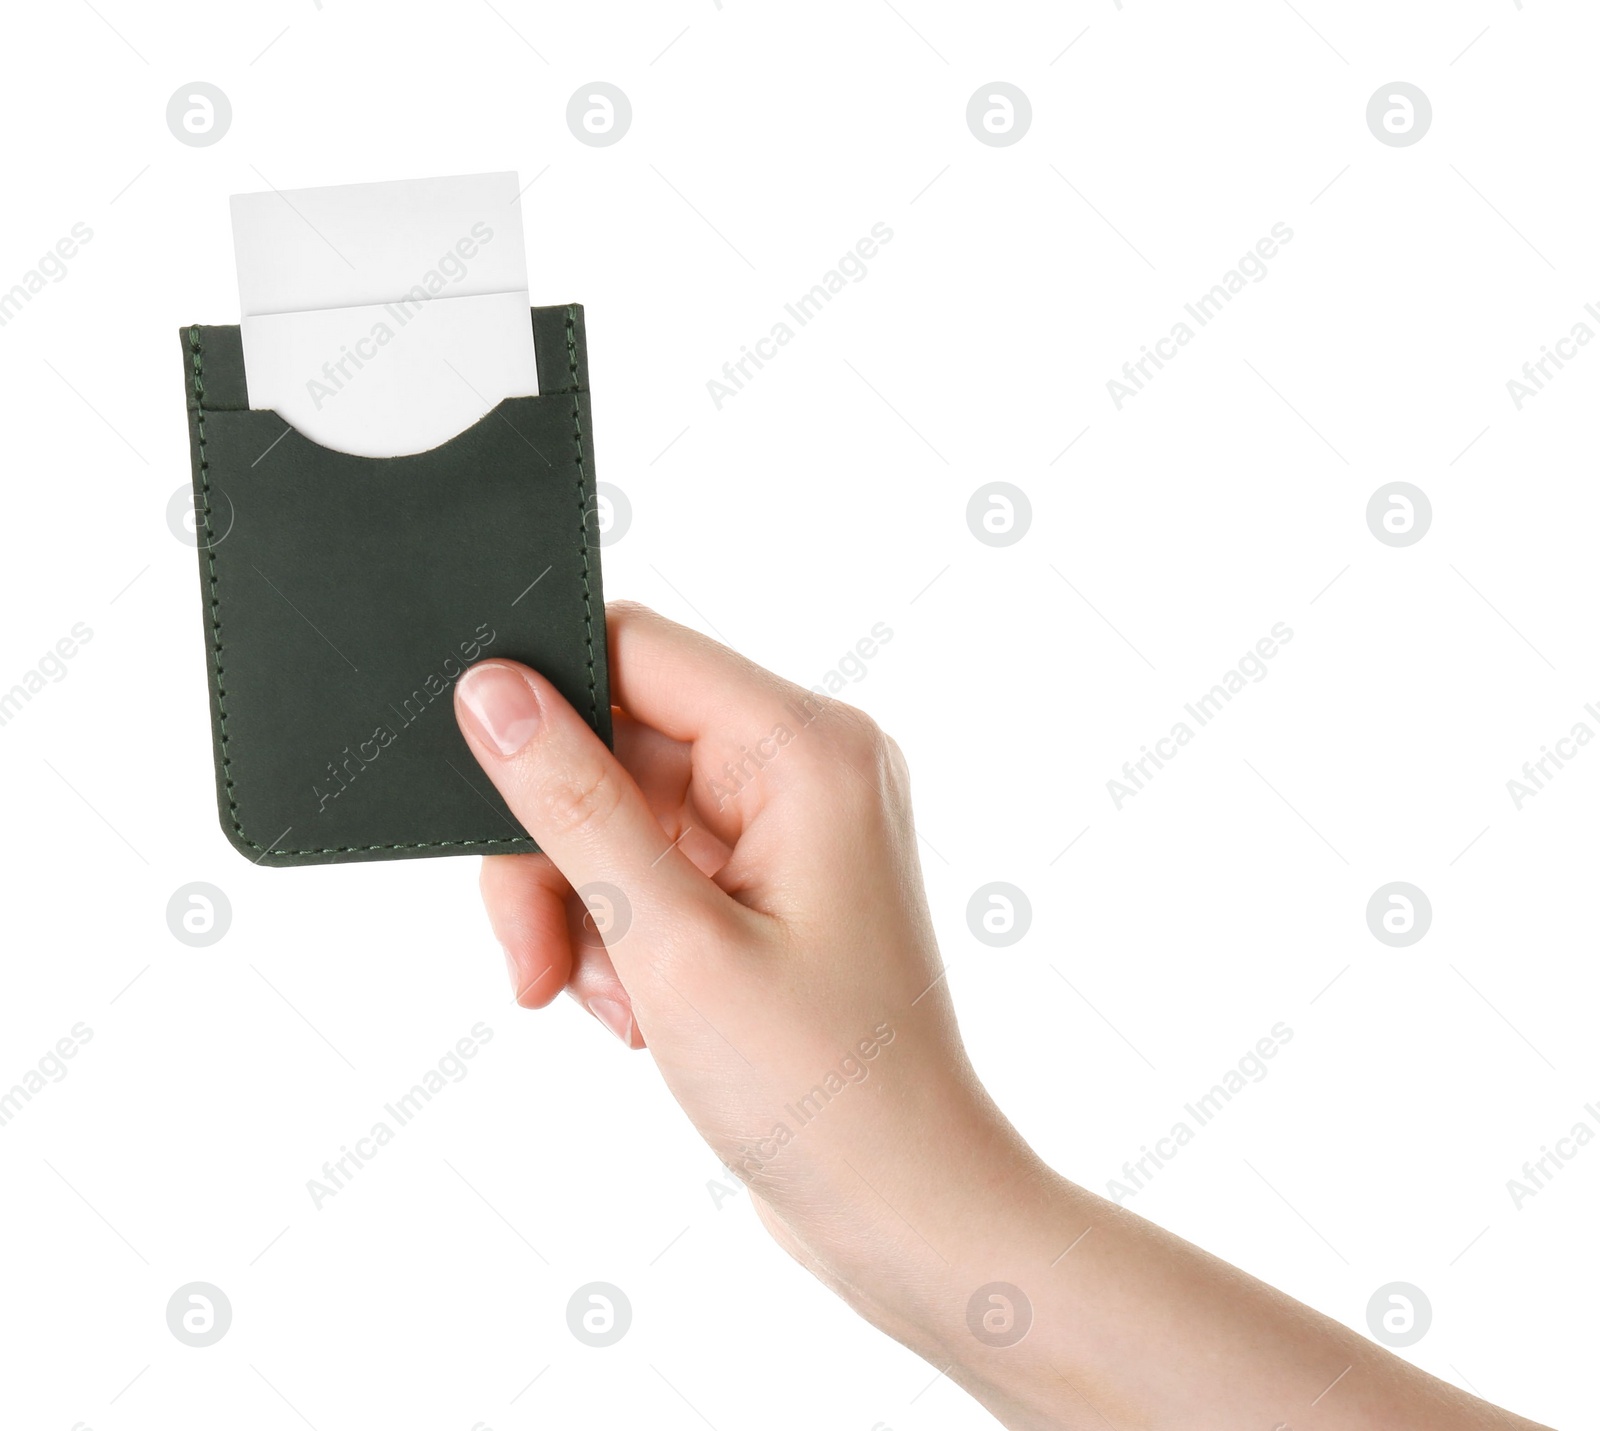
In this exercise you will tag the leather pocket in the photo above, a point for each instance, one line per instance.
(342, 597)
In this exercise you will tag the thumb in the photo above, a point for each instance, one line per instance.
(571, 793)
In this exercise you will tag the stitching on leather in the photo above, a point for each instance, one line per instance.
(196, 361)
(524, 841)
(583, 528)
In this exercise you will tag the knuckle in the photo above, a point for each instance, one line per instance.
(854, 758)
(895, 758)
(856, 740)
(581, 799)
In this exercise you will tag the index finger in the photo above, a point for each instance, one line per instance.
(683, 683)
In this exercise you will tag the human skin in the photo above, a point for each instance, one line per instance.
(771, 928)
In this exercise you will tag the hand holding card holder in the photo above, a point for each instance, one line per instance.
(343, 596)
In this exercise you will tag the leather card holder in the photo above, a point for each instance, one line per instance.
(342, 597)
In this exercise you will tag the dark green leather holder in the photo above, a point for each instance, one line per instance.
(342, 597)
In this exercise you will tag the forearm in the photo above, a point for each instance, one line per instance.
(1094, 1317)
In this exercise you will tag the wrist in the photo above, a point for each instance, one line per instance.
(977, 1206)
(966, 1276)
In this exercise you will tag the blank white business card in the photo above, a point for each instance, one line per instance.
(350, 244)
(393, 378)
(382, 319)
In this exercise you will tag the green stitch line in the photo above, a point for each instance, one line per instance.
(211, 570)
(583, 529)
(216, 649)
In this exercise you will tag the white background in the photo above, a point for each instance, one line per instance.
(826, 497)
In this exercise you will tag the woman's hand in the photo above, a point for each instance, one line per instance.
(738, 889)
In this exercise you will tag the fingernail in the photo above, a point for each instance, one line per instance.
(617, 1017)
(501, 705)
(513, 972)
